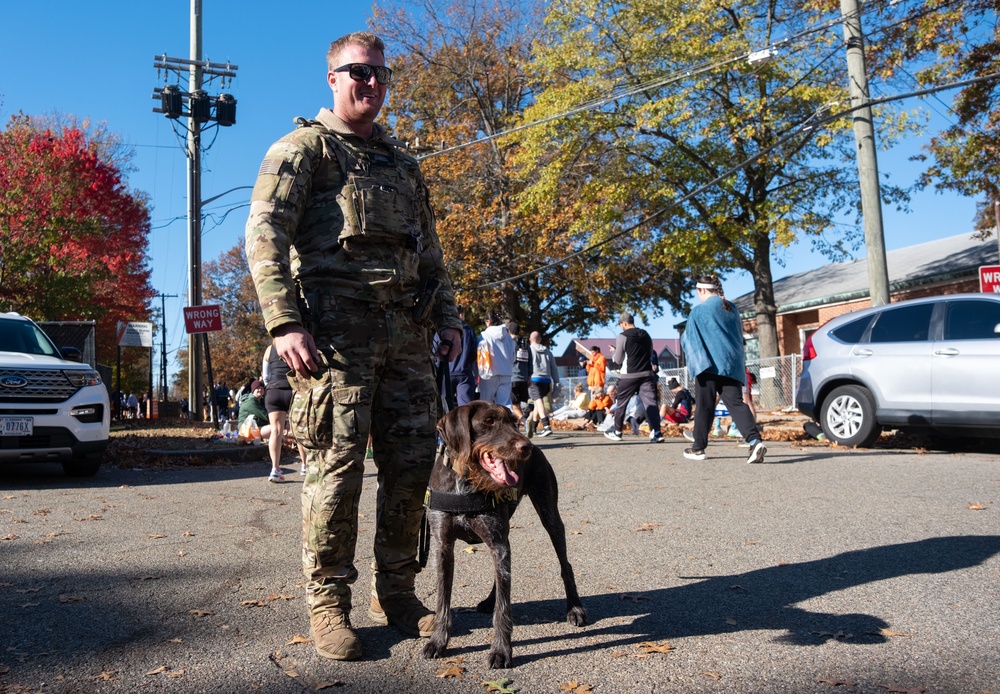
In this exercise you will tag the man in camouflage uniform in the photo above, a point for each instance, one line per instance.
(349, 271)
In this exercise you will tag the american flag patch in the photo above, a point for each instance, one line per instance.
(270, 167)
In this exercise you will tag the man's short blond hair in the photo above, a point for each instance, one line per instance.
(365, 39)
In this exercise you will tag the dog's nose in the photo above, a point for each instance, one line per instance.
(523, 447)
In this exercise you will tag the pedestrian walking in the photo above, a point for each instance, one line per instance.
(633, 359)
(713, 345)
(498, 347)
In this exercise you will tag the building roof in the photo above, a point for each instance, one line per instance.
(945, 259)
(569, 355)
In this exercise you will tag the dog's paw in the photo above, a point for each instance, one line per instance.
(432, 649)
(500, 659)
(577, 616)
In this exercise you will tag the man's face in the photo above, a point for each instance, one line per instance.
(258, 393)
(357, 102)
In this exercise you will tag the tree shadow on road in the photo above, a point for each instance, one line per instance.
(765, 599)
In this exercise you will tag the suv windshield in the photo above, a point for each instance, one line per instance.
(24, 336)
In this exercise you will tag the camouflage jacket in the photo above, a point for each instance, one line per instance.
(333, 216)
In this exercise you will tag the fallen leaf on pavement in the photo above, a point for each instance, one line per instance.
(978, 506)
(896, 689)
(92, 517)
(647, 527)
(187, 533)
(713, 675)
(12, 536)
(839, 636)
(27, 590)
(175, 640)
(155, 536)
(299, 638)
(455, 671)
(500, 685)
(148, 578)
(576, 687)
(159, 670)
(634, 597)
(838, 683)
(71, 598)
(650, 647)
(252, 603)
(176, 673)
(471, 549)
(890, 633)
(106, 676)
(198, 614)
(731, 621)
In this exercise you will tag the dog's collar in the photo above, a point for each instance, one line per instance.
(468, 502)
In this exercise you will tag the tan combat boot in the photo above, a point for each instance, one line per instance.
(405, 612)
(333, 636)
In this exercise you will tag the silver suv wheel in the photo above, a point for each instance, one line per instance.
(848, 417)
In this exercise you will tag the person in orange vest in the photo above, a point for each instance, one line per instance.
(597, 367)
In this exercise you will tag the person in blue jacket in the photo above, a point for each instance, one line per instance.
(713, 346)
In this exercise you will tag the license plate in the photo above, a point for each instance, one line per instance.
(15, 426)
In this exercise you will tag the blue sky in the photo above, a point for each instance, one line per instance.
(72, 58)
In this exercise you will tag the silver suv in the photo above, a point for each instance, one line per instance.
(930, 364)
(51, 409)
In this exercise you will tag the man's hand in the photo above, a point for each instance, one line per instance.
(296, 346)
(451, 343)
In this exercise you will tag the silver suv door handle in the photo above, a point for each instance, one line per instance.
(948, 352)
(863, 352)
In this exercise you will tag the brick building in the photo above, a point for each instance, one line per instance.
(808, 299)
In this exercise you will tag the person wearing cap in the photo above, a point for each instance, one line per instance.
(713, 346)
(680, 411)
(633, 359)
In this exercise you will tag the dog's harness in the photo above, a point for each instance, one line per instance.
(467, 502)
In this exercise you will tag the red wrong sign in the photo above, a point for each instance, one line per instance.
(989, 279)
(202, 319)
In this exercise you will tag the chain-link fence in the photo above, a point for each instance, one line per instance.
(774, 382)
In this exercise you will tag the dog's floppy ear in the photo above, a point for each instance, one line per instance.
(456, 432)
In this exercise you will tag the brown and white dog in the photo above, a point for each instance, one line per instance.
(481, 470)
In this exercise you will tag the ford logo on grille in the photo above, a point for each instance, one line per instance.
(13, 382)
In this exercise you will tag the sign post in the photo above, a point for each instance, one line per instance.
(205, 319)
(989, 279)
(133, 334)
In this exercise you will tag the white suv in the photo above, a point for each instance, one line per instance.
(51, 409)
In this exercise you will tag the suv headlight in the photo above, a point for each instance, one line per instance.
(83, 377)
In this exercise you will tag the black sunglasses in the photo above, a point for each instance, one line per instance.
(362, 72)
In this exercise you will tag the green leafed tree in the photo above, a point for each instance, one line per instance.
(463, 71)
(662, 172)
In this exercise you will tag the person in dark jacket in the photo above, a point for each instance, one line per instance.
(463, 371)
(633, 359)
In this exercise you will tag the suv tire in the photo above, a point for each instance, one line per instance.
(848, 417)
(82, 467)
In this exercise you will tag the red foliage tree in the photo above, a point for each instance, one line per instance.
(73, 237)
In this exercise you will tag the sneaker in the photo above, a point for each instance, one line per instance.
(333, 636)
(688, 434)
(757, 451)
(656, 437)
(733, 432)
(613, 435)
(303, 470)
(692, 454)
(545, 431)
(532, 424)
(405, 612)
(276, 476)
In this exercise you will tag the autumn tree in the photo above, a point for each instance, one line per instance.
(73, 236)
(928, 44)
(708, 160)
(238, 349)
(462, 72)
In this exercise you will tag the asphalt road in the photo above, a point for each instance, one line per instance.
(818, 569)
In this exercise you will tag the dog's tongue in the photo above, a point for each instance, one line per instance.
(499, 470)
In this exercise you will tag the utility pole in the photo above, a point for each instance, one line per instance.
(864, 136)
(163, 344)
(199, 111)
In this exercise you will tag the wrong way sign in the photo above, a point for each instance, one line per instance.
(989, 279)
(202, 319)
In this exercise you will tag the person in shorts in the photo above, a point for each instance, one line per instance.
(277, 401)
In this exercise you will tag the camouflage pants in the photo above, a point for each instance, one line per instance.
(377, 380)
